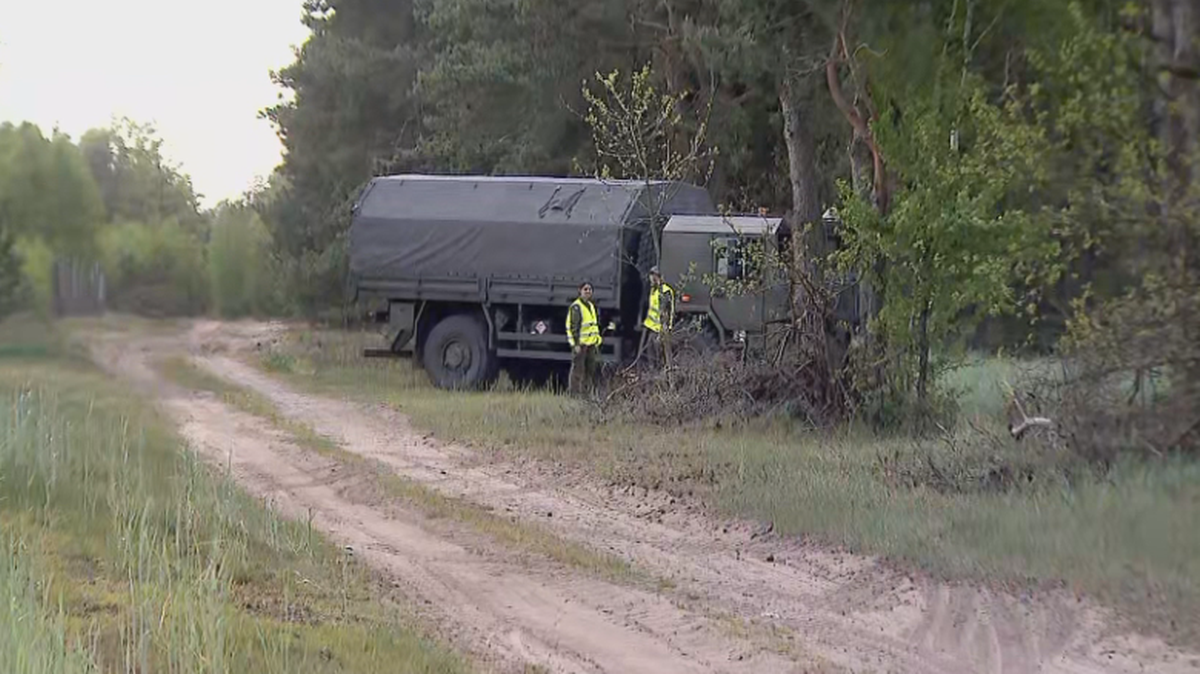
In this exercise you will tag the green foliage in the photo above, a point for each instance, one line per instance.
(749, 49)
(1105, 167)
(242, 274)
(999, 189)
(49, 207)
(638, 132)
(152, 246)
(36, 274)
(491, 86)
(353, 112)
(155, 270)
(1130, 350)
(500, 78)
(46, 191)
(136, 182)
(10, 273)
(34, 640)
(949, 243)
(317, 281)
(58, 201)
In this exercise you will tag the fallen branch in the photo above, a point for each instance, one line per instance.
(1019, 430)
(1027, 422)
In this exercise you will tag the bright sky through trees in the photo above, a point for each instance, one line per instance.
(191, 69)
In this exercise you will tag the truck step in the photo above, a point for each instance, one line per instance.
(380, 353)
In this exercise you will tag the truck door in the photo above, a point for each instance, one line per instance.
(733, 263)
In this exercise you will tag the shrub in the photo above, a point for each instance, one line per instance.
(243, 276)
(317, 282)
(154, 269)
(1130, 383)
(13, 275)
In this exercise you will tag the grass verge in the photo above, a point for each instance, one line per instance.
(36, 640)
(511, 532)
(122, 552)
(1128, 538)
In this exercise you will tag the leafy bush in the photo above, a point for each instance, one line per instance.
(1131, 384)
(154, 270)
(317, 282)
(36, 286)
(243, 276)
(10, 275)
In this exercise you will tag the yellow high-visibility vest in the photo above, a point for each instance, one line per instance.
(654, 320)
(589, 329)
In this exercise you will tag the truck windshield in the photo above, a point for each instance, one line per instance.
(731, 258)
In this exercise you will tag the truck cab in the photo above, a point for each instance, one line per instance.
(697, 249)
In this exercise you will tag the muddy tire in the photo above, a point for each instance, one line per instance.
(456, 354)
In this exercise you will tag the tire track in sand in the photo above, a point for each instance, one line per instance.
(510, 611)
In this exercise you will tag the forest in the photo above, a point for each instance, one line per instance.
(1009, 174)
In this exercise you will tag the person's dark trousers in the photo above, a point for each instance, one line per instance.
(583, 369)
(656, 355)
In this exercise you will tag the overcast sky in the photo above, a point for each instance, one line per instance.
(199, 71)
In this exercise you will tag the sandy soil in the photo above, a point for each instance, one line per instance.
(813, 609)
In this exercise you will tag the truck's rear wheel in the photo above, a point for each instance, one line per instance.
(456, 354)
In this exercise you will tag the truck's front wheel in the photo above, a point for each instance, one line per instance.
(456, 354)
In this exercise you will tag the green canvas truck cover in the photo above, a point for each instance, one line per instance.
(544, 229)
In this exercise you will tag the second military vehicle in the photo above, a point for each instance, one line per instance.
(470, 274)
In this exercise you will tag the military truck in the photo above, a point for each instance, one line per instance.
(470, 274)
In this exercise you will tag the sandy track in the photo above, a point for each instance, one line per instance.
(508, 611)
(841, 609)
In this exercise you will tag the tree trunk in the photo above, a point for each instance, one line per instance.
(862, 173)
(1176, 29)
(860, 120)
(808, 236)
(810, 246)
(860, 168)
(923, 358)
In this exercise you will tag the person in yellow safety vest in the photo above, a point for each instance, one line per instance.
(660, 316)
(583, 333)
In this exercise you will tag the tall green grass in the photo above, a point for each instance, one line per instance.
(980, 382)
(34, 635)
(1128, 537)
(138, 557)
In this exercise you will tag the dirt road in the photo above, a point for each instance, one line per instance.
(812, 609)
